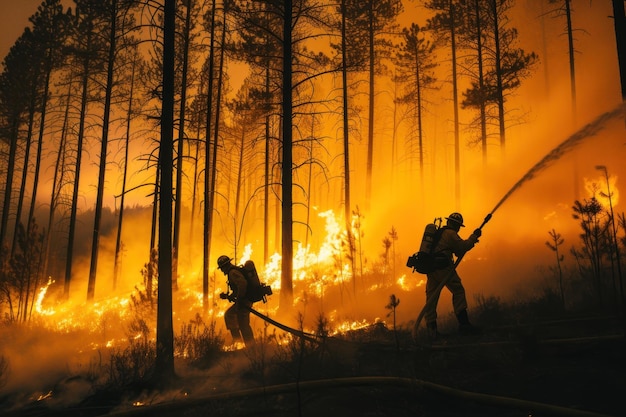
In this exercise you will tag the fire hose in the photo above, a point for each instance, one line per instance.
(444, 282)
(180, 406)
(309, 337)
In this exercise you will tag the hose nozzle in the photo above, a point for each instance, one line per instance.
(487, 218)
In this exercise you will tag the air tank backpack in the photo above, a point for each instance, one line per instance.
(425, 260)
(256, 290)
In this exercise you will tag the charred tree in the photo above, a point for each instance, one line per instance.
(501, 67)
(286, 293)
(345, 121)
(473, 36)
(209, 166)
(27, 147)
(186, 49)
(85, 50)
(164, 366)
(511, 64)
(445, 25)
(289, 25)
(378, 18)
(352, 60)
(15, 79)
(619, 16)
(117, 266)
(198, 113)
(415, 63)
(59, 178)
(112, 22)
(50, 26)
(564, 9)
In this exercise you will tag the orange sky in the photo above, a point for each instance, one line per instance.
(14, 15)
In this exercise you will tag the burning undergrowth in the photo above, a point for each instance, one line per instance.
(109, 343)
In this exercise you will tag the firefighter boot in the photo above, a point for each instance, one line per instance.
(465, 327)
(248, 336)
(236, 335)
(432, 329)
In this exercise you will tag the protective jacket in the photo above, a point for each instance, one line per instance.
(450, 243)
(237, 283)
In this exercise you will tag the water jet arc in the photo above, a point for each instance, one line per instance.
(567, 145)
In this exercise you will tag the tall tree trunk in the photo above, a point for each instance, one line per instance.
(13, 138)
(79, 151)
(286, 292)
(266, 190)
(277, 207)
(27, 249)
(164, 366)
(572, 79)
(346, 132)
(619, 14)
(572, 66)
(153, 231)
(194, 188)
(498, 69)
(420, 129)
(40, 139)
(544, 49)
(237, 226)
(268, 169)
(95, 242)
(22, 190)
(216, 131)
(481, 81)
(209, 169)
(181, 138)
(309, 186)
(395, 122)
(370, 122)
(455, 104)
(57, 181)
(120, 220)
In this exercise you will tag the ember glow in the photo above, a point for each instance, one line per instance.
(40, 296)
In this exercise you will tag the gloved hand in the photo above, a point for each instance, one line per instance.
(478, 232)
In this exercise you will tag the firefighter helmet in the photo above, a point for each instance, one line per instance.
(223, 261)
(456, 218)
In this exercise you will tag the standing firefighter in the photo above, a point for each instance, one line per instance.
(237, 317)
(449, 243)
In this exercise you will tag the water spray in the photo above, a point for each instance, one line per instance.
(567, 145)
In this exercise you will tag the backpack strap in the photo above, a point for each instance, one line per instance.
(441, 258)
(437, 238)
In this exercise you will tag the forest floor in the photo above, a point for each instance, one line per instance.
(567, 367)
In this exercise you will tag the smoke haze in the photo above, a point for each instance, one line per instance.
(510, 261)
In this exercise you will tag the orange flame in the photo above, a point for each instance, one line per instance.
(315, 273)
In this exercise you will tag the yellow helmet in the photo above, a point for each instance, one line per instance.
(223, 261)
(457, 218)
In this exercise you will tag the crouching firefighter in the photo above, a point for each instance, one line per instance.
(237, 317)
(449, 243)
